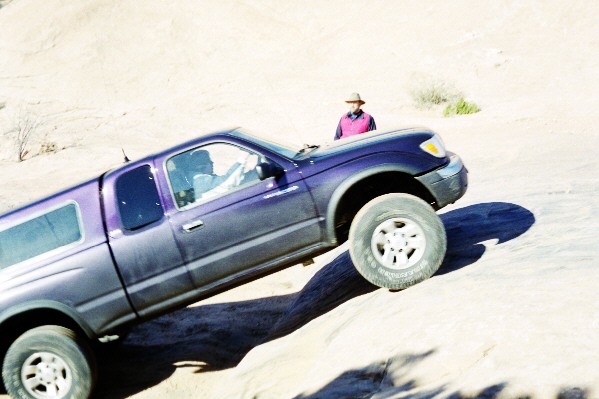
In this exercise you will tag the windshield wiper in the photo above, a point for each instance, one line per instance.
(308, 147)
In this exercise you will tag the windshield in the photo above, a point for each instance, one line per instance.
(291, 149)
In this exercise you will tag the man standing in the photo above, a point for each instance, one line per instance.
(355, 121)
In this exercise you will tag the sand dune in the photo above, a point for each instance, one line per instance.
(514, 310)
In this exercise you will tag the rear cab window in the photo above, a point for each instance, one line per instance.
(138, 199)
(48, 233)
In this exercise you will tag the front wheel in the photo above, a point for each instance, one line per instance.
(49, 362)
(396, 241)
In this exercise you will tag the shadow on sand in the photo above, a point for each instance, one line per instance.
(387, 379)
(217, 336)
(467, 227)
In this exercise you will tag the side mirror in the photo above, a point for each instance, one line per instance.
(269, 169)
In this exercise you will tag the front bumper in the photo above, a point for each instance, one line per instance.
(447, 184)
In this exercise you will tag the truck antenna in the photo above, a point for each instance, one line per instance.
(125, 155)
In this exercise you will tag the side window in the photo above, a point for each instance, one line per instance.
(210, 171)
(138, 199)
(45, 233)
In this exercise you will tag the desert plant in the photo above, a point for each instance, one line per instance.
(461, 107)
(48, 147)
(428, 92)
(23, 126)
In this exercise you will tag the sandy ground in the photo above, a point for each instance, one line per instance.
(514, 310)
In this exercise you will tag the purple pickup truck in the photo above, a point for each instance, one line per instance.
(159, 233)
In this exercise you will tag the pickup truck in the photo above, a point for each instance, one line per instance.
(159, 233)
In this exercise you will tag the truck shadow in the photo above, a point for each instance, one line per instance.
(468, 227)
(216, 336)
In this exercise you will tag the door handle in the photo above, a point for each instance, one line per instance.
(191, 226)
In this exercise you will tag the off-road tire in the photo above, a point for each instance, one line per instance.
(396, 241)
(55, 357)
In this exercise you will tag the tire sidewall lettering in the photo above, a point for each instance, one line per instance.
(393, 206)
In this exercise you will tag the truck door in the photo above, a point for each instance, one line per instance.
(227, 221)
(142, 242)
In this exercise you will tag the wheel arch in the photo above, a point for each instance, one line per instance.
(357, 190)
(23, 317)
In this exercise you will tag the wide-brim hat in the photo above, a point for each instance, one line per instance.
(355, 97)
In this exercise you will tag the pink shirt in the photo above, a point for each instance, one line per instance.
(357, 126)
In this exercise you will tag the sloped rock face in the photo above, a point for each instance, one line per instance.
(513, 310)
(334, 284)
(470, 331)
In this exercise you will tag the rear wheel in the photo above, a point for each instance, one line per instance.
(397, 240)
(49, 362)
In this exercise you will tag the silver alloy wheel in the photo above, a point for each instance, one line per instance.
(398, 243)
(46, 375)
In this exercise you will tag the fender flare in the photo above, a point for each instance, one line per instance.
(350, 182)
(40, 305)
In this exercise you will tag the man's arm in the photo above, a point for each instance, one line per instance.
(371, 124)
(234, 175)
(338, 132)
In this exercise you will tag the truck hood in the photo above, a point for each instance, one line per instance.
(404, 142)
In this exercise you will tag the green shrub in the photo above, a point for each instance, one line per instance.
(461, 107)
